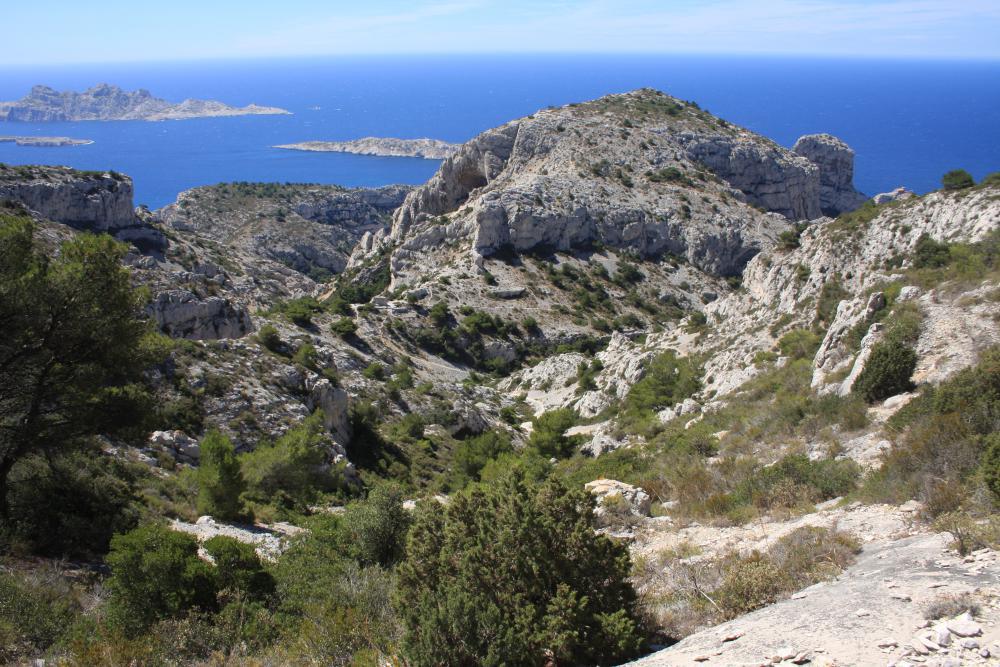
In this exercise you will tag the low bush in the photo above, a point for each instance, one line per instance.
(510, 572)
(291, 472)
(957, 179)
(887, 371)
(548, 434)
(946, 436)
(156, 574)
(36, 609)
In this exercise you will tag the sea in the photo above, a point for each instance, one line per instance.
(909, 121)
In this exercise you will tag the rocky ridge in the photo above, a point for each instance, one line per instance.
(106, 102)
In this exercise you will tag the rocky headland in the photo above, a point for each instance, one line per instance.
(429, 149)
(106, 103)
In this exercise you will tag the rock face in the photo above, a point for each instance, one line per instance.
(770, 176)
(90, 201)
(429, 149)
(835, 160)
(106, 102)
(616, 172)
(283, 237)
(181, 314)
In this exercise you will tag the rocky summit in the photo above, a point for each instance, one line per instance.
(107, 102)
(715, 405)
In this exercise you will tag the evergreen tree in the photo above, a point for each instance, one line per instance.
(72, 349)
(512, 572)
(220, 481)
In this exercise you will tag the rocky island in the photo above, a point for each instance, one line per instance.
(44, 142)
(107, 102)
(429, 149)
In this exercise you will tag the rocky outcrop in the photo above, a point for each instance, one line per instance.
(600, 173)
(637, 500)
(106, 102)
(835, 160)
(428, 149)
(89, 201)
(770, 176)
(181, 314)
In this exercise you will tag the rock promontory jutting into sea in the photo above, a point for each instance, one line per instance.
(430, 149)
(107, 102)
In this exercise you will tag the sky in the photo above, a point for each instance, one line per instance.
(68, 31)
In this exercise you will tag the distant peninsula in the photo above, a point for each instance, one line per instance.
(430, 149)
(45, 142)
(107, 102)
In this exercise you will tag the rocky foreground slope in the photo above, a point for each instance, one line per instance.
(557, 262)
(107, 102)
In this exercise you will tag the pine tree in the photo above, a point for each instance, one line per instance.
(220, 481)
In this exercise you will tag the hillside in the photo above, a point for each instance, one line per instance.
(763, 379)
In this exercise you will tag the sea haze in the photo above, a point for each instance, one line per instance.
(908, 121)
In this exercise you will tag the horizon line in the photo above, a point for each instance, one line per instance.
(782, 55)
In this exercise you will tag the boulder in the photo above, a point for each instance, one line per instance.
(638, 500)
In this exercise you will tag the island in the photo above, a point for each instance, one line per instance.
(45, 142)
(429, 149)
(106, 102)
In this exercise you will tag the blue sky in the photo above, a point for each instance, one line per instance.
(62, 31)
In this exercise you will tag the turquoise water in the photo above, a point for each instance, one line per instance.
(908, 121)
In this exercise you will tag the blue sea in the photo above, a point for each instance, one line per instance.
(909, 121)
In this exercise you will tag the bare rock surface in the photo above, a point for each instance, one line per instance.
(269, 541)
(871, 615)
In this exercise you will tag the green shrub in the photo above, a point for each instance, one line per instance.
(991, 179)
(156, 574)
(292, 471)
(946, 436)
(220, 480)
(507, 572)
(378, 526)
(957, 179)
(991, 464)
(668, 380)
(238, 569)
(800, 343)
(36, 609)
(548, 434)
(71, 504)
(472, 454)
(749, 583)
(300, 311)
(887, 371)
(928, 253)
(344, 327)
(269, 337)
(306, 356)
(374, 371)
